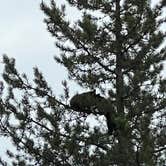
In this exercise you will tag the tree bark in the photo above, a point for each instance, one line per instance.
(122, 137)
(119, 74)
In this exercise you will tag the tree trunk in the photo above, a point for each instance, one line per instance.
(122, 137)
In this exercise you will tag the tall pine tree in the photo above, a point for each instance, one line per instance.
(115, 47)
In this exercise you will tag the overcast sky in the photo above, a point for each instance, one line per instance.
(23, 35)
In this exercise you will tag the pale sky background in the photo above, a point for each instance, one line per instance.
(23, 35)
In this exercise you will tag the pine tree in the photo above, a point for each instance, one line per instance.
(120, 53)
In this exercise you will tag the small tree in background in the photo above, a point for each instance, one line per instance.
(119, 52)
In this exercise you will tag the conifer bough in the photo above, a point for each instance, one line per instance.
(116, 47)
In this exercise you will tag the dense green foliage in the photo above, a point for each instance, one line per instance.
(116, 47)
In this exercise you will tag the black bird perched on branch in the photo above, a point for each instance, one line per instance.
(92, 103)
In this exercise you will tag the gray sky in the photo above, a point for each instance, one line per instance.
(23, 35)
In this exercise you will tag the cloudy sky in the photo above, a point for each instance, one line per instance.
(23, 35)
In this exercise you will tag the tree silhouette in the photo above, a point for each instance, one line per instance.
(120, 53)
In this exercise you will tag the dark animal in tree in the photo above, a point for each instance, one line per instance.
(92, 103)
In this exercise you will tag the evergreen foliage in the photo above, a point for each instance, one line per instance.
(120, 53)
